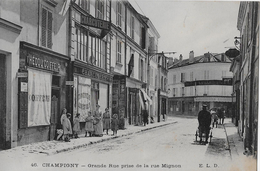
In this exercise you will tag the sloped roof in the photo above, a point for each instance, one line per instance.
(206, 58)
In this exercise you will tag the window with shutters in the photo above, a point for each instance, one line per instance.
(46, 28)
(119, 14)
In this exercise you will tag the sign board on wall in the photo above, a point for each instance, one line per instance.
(39, 98)
(24, 87)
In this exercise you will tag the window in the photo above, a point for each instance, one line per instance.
(191, 91)
(91, 49)
(174, 79)
(174, 92)
(165, 84)
(46, 34)
(81, 44)
(141, 69)
(119, 51)
(119, 14)
(84, 4)
(155, 79)
(100, 9)
(142, 37)
(182, 77)
(151, 75)
(162, 84)
(191, 76)
(132, 27)
(206, 75)
(96, 52)
(183, 91)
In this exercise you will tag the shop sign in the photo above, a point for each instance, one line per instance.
(225, 81)
(42, 63)
(94, 22)
(24, 87)
(22, 74)
(70, 83)
(93, 74)
(39, 98)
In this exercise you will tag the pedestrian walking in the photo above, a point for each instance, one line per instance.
(114, 124)
(76, 126)
(145, 117)
(98, 125)
(214, 118)
(121, 124)
(221, 115)
(67, 130)
(89, 125)
(62, 121)
(204, 119)
(106, 121)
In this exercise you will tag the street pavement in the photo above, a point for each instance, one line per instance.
(225, 136)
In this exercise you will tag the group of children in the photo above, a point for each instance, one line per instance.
(95, 124)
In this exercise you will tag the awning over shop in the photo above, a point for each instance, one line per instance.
(141, 101)
(146, 97)
(213, 99)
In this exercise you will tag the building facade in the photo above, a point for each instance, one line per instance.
(89, 51)
(199, 80)
(129, 62)
(152, 70)
(248, 25)
(74, 55)
(34, 67)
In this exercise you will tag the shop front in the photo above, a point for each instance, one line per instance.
(129, 100)
(41, 93)
(92, 86)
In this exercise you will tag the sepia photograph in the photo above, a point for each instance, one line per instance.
(129, 85)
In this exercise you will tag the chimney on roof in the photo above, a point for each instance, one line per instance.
(180, 57)
(170, 61)
(191, 56)
(207, 56)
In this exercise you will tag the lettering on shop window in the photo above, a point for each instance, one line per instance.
(39, 98)
(42, 63)
(93, 74)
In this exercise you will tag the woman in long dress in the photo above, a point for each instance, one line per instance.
(106, 120)
(89, 128)
(98, 125)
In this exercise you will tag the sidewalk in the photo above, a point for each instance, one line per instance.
(236, 148)
(54, 147)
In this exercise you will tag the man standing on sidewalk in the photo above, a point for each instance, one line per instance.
(204, 119)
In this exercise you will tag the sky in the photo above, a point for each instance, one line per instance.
(199, 26)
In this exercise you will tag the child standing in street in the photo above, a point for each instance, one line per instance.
(114, 124)
(76, 126)
(89, 128)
